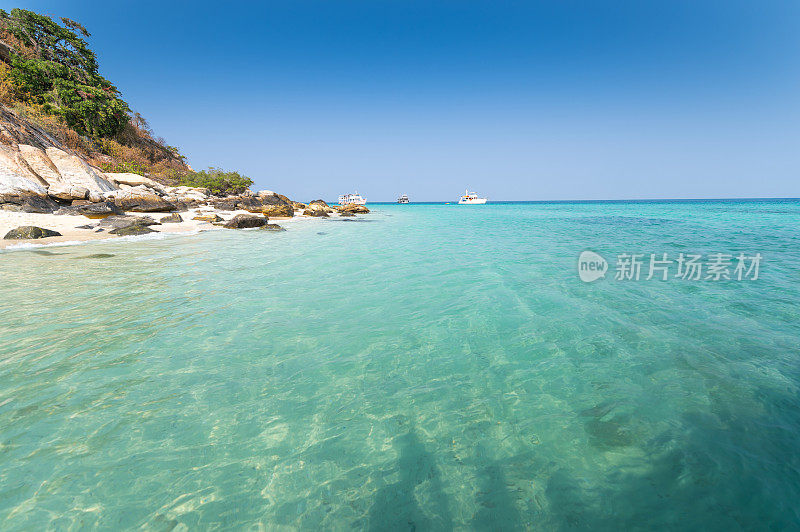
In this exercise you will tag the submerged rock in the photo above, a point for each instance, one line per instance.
(246, 221)
(273, 227)
(28, 232)
(173, 218)
(346, 213)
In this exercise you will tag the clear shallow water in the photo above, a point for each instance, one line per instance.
(434, 367)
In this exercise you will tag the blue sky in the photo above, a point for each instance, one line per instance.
(517, 100)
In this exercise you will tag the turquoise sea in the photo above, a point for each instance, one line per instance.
(425, 367)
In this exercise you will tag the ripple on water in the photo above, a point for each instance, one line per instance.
(443, 368)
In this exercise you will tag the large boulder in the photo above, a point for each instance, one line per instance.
(298, 206)
(119, 222)
(57, 187)
(317, 208)
(28, 232)
(225, 204)
(274, 199)
(188, 196)
(133, 180)
(141, 199)
(277, 211)
(353, 208)
(21, 188)
(250, 203)
(75, 172)
(131, 230)
(90, 210)
(246, 221)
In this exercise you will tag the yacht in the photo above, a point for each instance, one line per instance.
(352, 199)
(470, 198)
(403, 199)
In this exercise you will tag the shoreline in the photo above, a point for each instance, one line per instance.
(72, 234)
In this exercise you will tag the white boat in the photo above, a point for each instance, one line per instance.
(470, 198)
(403, 199)
(352, 199)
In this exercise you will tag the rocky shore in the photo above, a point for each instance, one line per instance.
(50, 194)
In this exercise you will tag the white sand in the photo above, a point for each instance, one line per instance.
(67, 225)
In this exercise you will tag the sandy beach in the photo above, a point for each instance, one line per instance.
(69, 225)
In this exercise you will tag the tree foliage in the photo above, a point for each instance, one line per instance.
(217, 181)
(58, 72)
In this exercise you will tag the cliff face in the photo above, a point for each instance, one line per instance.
(38, 173)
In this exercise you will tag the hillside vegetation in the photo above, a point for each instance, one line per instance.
(50, 76)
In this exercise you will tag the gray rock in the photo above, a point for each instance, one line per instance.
(226, 204)
(141, 199)
(121, 221)
(91, 210)
(27, 232)
(131, 230)
(273, 227)
(246, 221)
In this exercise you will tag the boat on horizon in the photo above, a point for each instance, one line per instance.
(403, 199)
(352, 199)
(471, 198)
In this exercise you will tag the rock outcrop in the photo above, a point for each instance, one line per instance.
(246, 221)
(19, 185)
(27, 232)
(140, 199)
(91, 210)
(38, 174)
(75, 172)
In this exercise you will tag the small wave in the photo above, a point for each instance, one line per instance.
(24, 246)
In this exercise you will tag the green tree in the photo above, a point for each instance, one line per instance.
(59, 73)
(217, 181)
